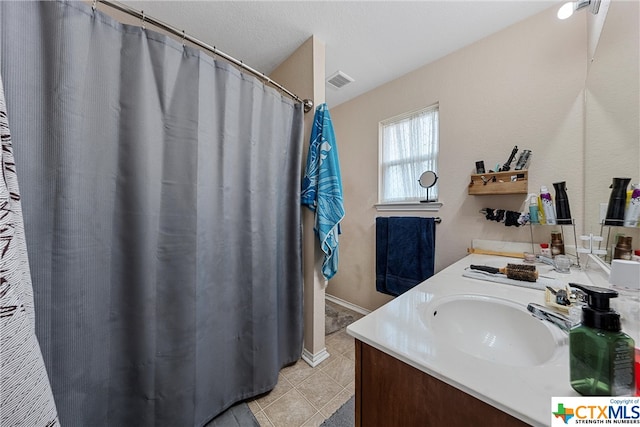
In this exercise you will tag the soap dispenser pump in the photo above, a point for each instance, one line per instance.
(601, 356)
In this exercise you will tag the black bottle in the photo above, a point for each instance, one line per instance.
(617, 202)
(563, 212)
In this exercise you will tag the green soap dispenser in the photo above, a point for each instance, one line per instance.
(601, 357)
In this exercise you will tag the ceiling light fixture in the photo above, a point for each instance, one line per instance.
(567, 9)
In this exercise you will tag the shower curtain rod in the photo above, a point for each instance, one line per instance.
(306, 103)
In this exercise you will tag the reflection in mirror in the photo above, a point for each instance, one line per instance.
(427, 180)
(612, 118)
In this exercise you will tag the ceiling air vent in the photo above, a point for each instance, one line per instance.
(339, 80)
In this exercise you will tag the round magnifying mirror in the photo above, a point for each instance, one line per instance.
(428, 179)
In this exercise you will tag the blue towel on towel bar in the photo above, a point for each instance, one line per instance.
(322, 188)
(405, 253)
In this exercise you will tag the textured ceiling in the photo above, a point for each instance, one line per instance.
(371, 41)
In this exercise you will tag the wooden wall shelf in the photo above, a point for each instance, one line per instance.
(509, 182)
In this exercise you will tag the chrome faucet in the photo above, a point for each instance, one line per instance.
(544, 313)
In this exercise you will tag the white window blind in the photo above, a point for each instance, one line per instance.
(408, 147)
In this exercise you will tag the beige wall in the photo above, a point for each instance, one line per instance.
(303, 73)
(522, 86)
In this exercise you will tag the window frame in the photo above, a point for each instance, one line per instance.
(408, 204)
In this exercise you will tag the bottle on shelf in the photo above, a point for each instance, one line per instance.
(541, 218)
(557, 244)
(623, 248)
(547, 206)
(632, 211)
(544, 250)
(563, 212)
(533, 208)
(617, 202)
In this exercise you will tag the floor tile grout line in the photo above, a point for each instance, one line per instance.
(295, 387)
(317, 411)
(321, 368)
(314, 406)
(273, 423)
(292, 387)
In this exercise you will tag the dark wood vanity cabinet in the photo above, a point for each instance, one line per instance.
(391, 393)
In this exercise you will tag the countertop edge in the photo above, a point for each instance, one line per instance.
(380, 334)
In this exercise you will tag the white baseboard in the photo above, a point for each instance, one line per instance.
(346, 304)
(314, 360)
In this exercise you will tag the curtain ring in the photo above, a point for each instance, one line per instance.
(142, 18)
(184, 36)
(93, 5)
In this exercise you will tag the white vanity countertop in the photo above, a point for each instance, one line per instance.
(525, 392)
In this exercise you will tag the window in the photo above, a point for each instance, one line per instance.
(408, 147)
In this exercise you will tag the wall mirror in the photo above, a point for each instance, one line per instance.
(612, 115)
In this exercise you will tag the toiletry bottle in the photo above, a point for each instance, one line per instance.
(533, 208)
(544, 250)
(541, 217)
(622, 249)
(632, 212)
(617, 202)
(601, 356)
(563, 211)
(557, 245)
(547, 206)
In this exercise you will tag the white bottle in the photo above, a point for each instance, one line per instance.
(547, 206)
(632, 212)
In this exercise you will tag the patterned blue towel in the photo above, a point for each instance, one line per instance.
(322, 188)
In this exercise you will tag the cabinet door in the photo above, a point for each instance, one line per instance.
(391, 393)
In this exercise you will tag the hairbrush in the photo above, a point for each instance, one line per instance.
(523, 272)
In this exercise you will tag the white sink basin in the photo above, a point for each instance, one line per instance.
(492, 329)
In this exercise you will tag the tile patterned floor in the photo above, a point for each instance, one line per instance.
(306, 396)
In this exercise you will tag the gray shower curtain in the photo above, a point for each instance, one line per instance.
(162, 218)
